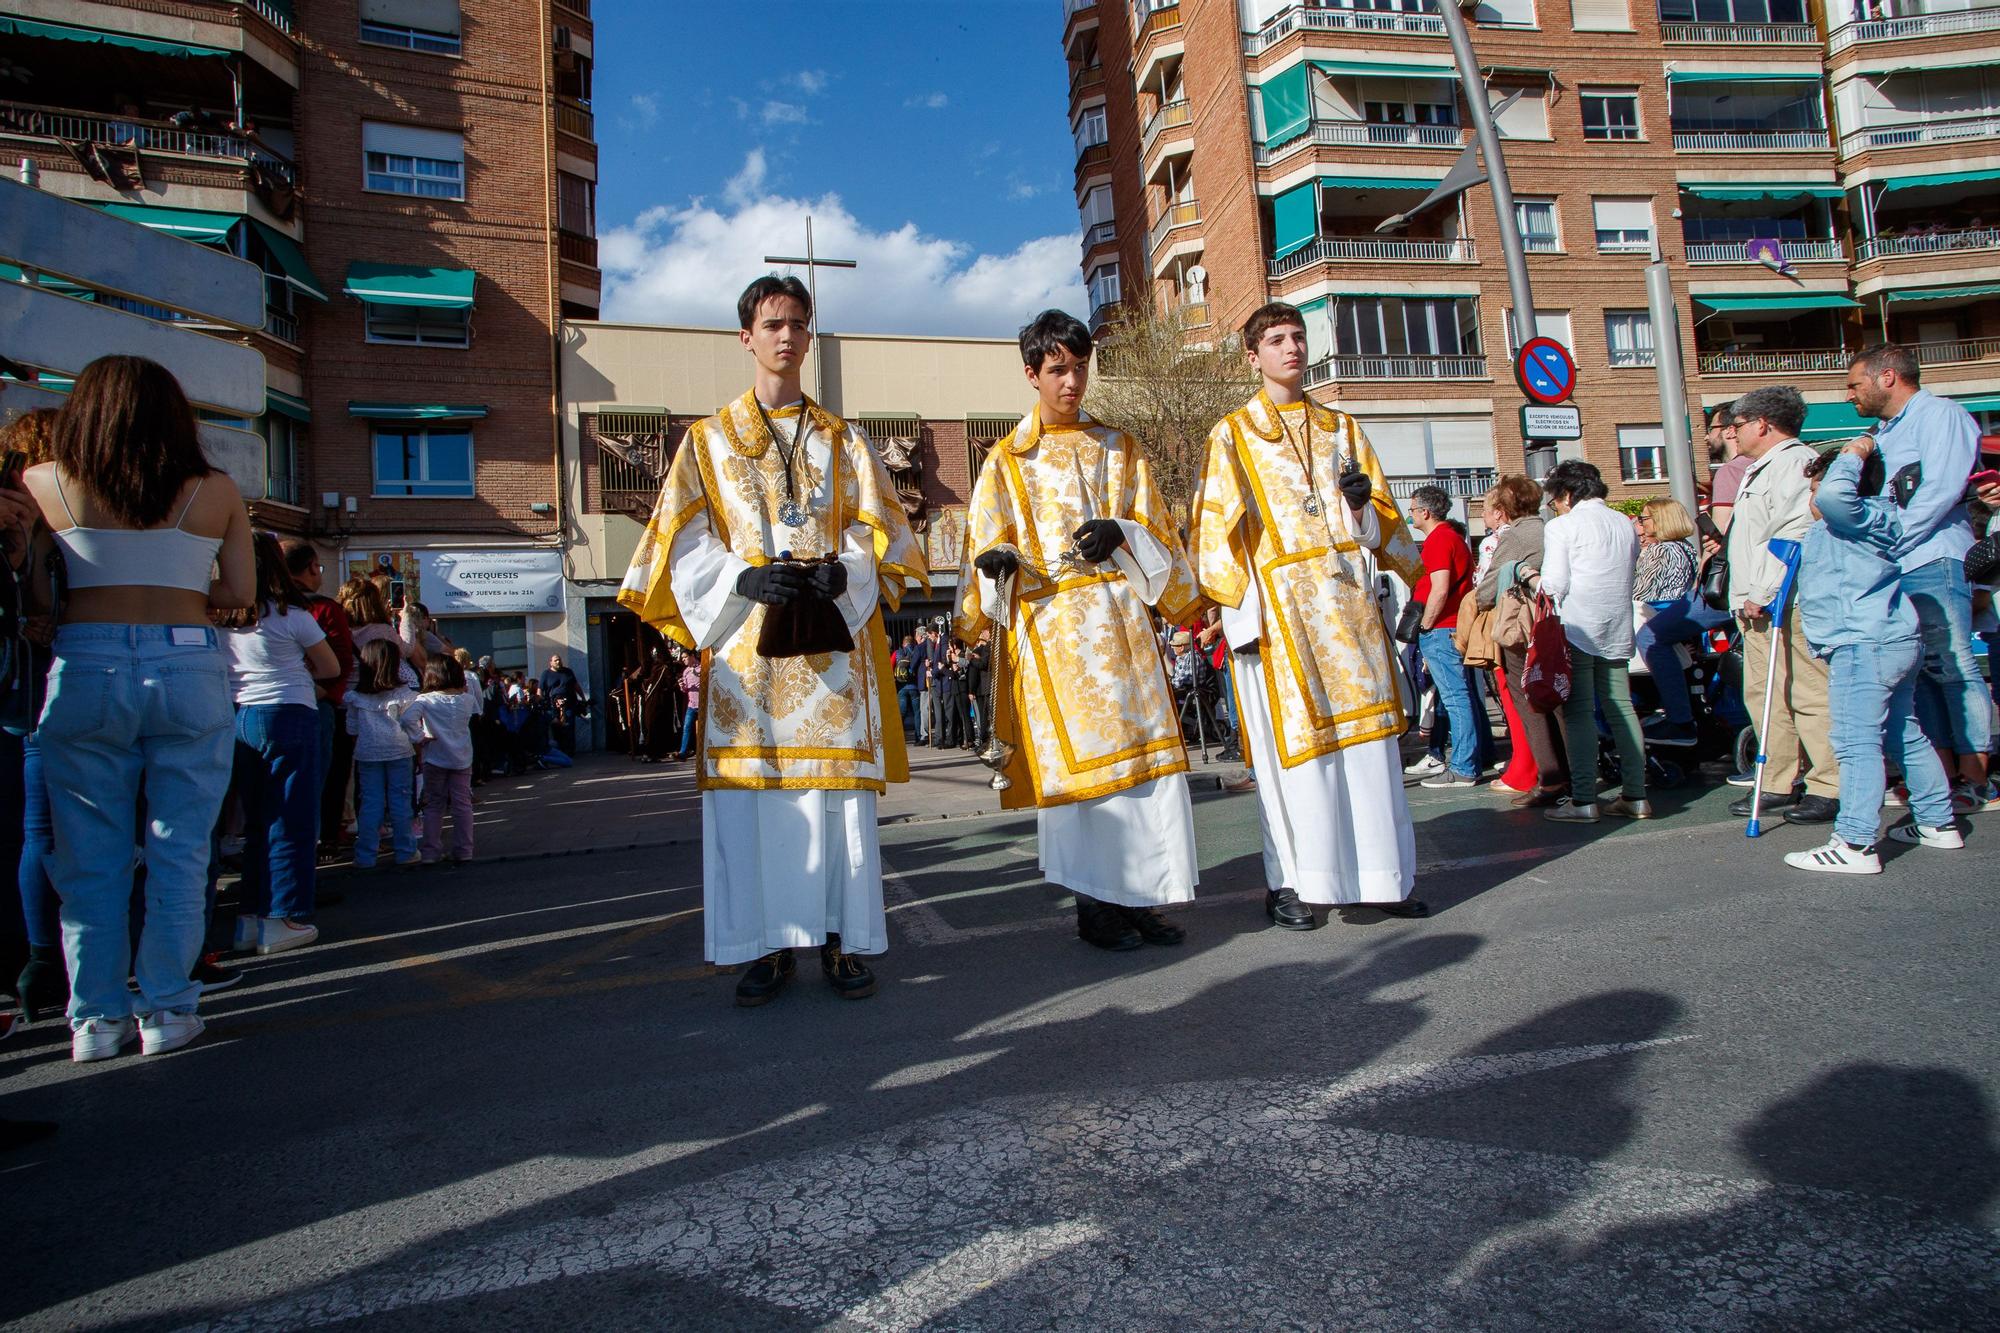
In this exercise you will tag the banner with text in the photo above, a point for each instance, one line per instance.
(465, 583)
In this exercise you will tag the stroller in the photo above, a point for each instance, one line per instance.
(1723, 733)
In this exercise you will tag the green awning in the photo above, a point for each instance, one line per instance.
(190, 224)
(1833, 421)
(1385, 70)
(1760, 190)
(417, 411)
(411, 284)
(69, 32)
(47, 281)
(1295, 219)
(277, 400)
(1344, 182)
(1779, 301)
(1287, 106)
(291, 260)
(1944, 293)
(1975, 402)
(1739, 76)
(1941, 178)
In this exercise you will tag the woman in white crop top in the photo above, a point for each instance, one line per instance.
(138, 697)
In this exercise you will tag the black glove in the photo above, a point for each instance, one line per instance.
(996, 564)
(1097, 539)
(1356, 488)
(828, 579)
(773, 584)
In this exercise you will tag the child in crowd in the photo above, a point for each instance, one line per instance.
(442, 718)
(382, 753)
(1855, 615)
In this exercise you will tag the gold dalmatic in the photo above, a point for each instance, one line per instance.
(798, 722)
(1085, 696)
(1328, 664)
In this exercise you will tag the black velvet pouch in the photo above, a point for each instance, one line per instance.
(806, 625)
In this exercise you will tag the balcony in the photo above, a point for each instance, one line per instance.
(1930, 243)
(1194, 314)
(577, 248)
(1085, 79)
(1100, 233)
(278, 15)
(1348, 369)
(1376, 249)
(1802, 362)
(1958, 352)
(1464, 483)
(22, 120)
(1172, 115)
(1155, 38)
(1956, 129)
(1104, 313)
(1092, 157)
(1732, 252)
(1751, 141)
(1186, 213)
(1363, 134)
(580, 8)
(575, 120)
(1916, 25)
(1731, 34)
(1304, 18)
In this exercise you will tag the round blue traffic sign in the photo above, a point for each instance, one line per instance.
(1545, 370)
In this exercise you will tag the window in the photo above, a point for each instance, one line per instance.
(1548, 324)
(1505, 13)
(1406, 326)
(1090, 130)
(1624, 226)
(419, 326)
(410, 39)
(423, 461)
(1610, 113)
(403, 159)
(1628, 337)
(281, 458)
(1642, 453)
(981, 434)
(1733, 11)
(1537, 221)
(1527, 118)
(1600, 16)
(1103, 286)
(1410, 113)
(573, 75)
(576, 204)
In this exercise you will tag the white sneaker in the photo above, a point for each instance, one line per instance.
(1746, 778)
(1837, 857)
(246, 933)
(1424, 767)
(1948, 837)
(1447, 778)
(1567, 811)
(1970, 799)
(275, 934)
(100, 1039)
(160, 1033)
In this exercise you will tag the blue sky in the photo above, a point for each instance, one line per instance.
(928, 138)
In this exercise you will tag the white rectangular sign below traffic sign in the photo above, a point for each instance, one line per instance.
(1563, 421)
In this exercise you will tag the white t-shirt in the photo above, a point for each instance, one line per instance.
(267, 662)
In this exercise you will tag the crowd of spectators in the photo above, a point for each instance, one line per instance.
(941, 687)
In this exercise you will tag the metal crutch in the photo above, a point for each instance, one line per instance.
(1787, 551)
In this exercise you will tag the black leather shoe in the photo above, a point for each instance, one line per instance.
(1152, 927)
(1105, 926)
(1813, 810)
(1409, 907)
(766, 977)
(1287, 912)
(848, 975)
(43, 984)
(1774, 802)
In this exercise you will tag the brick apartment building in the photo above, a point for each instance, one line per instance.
(417, 179)
(933, 407)
(1234, 151)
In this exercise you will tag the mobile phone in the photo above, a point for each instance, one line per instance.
(1706, 527)
(11, 468)
(1985, 477)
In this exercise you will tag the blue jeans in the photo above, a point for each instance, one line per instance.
(1952, 700)
(1448, 674)
(26, 807)
(329, 719)
(1682, 622)
(134, 706)
(1870, 691)
(383, 793)
(277, 779)
(687, 730)
(909, 699)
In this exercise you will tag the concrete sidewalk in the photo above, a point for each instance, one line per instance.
(608, 802)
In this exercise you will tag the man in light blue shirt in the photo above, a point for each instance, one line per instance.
(1943, 440)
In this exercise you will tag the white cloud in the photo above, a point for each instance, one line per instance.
(929, 101)
(1022, 190)
(811, 82)
(784, 113)
(686, 264)
(645, 109)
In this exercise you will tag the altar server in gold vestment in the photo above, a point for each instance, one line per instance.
(1292, 514)
(1066, 519)
(793, 748)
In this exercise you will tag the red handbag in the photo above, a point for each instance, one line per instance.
(1545, 680)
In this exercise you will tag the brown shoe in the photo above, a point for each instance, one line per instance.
(1248, 782)
(1538, 800)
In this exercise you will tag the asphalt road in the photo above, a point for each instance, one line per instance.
(1631, 1077)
